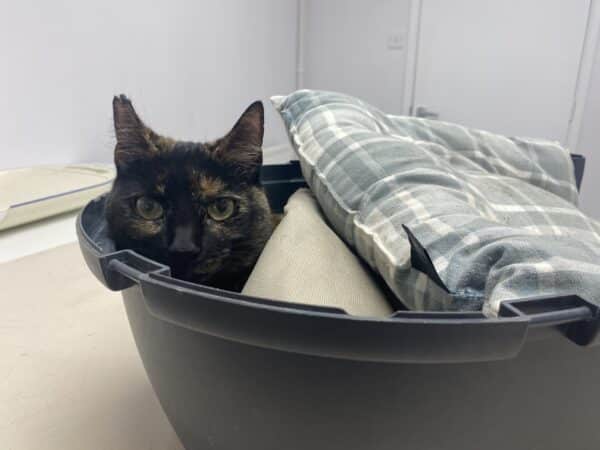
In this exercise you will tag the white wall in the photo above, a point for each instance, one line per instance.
(346, 49)
(191, 67)
(589, 144)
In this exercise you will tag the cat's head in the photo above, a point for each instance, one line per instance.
(198, 207)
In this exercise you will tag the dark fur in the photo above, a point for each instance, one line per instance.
(185, 177)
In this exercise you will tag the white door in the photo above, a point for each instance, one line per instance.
(507, 66)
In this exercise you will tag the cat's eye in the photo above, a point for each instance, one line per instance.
(221, 209)
(148, 208)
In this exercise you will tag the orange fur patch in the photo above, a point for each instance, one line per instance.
(145, 228)
(157, 143)
(207, 186)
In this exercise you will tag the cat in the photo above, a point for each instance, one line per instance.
(199, 208)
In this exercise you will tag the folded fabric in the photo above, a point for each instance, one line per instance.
(32, 193)
(491, 218)
(304, 261)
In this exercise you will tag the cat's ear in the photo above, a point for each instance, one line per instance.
(131, 134)
(241, 148)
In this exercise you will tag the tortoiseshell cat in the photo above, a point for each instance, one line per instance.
(197, 207)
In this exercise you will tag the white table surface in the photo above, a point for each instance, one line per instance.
(70, 374)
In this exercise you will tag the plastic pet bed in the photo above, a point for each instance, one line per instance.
(235, 372)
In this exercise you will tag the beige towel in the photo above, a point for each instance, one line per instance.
(33, 193)
(304, 261)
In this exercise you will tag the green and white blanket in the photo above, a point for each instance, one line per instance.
(497, 216)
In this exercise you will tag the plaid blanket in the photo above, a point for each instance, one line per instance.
(496, 216)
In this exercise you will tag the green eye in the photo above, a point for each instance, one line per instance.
(221, 209)
(148, 208)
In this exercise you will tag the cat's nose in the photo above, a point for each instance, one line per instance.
(183, 240)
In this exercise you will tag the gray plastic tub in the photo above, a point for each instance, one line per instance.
(234, 372)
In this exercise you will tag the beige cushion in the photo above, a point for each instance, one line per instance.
(33, 193)
(304, 261)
